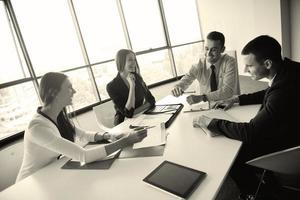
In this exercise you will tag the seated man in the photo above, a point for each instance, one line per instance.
(216, 73)
(275, 126)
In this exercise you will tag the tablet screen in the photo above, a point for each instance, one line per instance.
(174, 178)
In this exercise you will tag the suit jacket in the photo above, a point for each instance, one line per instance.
(275, 126)
(118, 92)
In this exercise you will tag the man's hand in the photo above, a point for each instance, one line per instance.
(177, 91)
(192, 99)
(227, 103)
(201, 121)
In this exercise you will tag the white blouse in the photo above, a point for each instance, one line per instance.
(43, 144)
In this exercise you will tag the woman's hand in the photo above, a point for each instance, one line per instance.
(136, 136)
(131, 79)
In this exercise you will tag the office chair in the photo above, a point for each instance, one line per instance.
(285, 168)
(232, 53)
(105, 113)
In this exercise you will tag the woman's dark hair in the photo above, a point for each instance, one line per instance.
(264, 47)
(50, 85)
(121, 60)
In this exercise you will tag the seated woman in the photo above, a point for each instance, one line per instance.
(50, 132)
(128, 90)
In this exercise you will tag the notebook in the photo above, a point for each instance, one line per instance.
(172, 109)
(175, 179)
(129, 152)
(99, 164)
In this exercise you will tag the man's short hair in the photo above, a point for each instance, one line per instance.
(214, 35)
(264, 47)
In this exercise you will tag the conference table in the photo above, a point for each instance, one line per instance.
(186, 145)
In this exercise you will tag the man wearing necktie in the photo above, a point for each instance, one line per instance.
(217, 73)
(275, 126)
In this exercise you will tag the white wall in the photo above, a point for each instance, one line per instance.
(240, 21)
(295, 29)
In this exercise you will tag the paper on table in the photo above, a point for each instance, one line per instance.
(155, 136)
(217, 114)
(151, 120)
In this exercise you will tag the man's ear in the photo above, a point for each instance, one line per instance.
(268, 63)
(223, 49)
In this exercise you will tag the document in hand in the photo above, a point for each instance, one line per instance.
(175, 179)
(155, 136)
(217, 114)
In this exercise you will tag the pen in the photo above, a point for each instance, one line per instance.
(141, 127)
(198, 110)
(189, 92)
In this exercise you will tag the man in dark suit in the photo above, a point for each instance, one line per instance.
(275, 126)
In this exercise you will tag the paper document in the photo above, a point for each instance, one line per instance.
(155, 136)
(216, 114)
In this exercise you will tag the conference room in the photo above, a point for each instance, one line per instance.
(81, 39)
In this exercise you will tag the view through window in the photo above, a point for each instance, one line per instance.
(81, 39)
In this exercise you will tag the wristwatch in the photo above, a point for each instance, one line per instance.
(106, 136)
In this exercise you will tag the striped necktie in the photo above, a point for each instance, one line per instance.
(213, 79)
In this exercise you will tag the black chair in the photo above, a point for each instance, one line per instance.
(281, 170)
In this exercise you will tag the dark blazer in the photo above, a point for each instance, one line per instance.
(276, 125)
(118, 92)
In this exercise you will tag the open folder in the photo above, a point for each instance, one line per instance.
(99, 164)
(156, 135)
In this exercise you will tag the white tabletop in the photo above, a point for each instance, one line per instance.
(186, 145)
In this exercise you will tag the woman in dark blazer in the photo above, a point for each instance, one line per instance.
(128, 90)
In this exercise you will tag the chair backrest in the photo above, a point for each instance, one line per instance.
(232, 53)
(285, 162)
(105, 113)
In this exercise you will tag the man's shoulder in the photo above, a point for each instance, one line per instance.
(226, 57)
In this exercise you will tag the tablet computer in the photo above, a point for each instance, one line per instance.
(175, 179)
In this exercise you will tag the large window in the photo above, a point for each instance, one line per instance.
(182, 21)
(101, 28)
(10, 64)
(144, 24)
(81, 38)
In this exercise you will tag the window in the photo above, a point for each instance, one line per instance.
(17, 105)
(11, 68)
(101, 28)
(152, 63)
(85, 94)
(59, 35)
(49, 34)
(104, 73)
(144, 24)
(182, 21)
(186, 56)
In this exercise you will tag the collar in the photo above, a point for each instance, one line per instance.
(271, 81)
(46, 116)
(217, 64)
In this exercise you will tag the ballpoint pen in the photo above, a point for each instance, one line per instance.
(195, 110)
(141, 127)
(189, 92)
